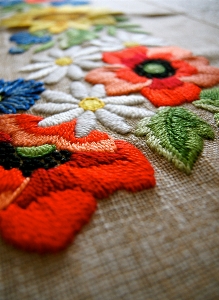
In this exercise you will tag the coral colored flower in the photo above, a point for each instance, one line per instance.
(167, 76)
(18, 95)
(90, 106)
(59, 64)
(58, 19)
(50, 180)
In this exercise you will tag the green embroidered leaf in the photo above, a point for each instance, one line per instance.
(177, 134)
(45, 46)
(35, 151)
(25, 47)
(74, 37)
(209, 100)
(216, 117)
(111, 30)
(137, 31)
(98, 28)
(121, 18)
(128, 26)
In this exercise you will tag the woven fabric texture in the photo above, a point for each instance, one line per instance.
(157, 244)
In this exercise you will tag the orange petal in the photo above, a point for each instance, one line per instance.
(186, 92)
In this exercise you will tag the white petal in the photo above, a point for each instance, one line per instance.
(42, 73)
(129, 111)
(58, 97)
(98, 90)
(72, 51)
(97, 43)
(53, 108)
(56, 53)
(75, 72)
(109, 39)
(41, 58)
(153, 41)
(61, 118)
(37, 66)
(88, 65)
(95, 56)
(112, 121)
(86, 51)
(85, 124)
(125, 100)
(57, 75)
(123, 35)
(79, 90)
(113, 48)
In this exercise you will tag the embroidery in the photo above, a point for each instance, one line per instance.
(72, 37)
(44, 211)
(59, 64)
(25, 132)
(177, 134)
(25, 40)
(58, 19)
(124, 39)
(209, 100)
(216, 117)
(70, 2)
(167, 76)
(18, 95)
(89, 107)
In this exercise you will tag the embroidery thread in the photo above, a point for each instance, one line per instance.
(166, 76)
(18, 94)
(59, 64)
(44, 211)
(177, 134)
(88, 107)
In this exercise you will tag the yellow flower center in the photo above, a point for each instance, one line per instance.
(130, 44)
(64, 61)
(91, 103)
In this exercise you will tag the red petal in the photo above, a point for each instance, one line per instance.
(129, 57)
(165, 83)
(49, 224)
(187, 92)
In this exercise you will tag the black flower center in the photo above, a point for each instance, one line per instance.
(10, 158)
(154, 68)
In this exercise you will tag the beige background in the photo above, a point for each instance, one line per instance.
(156, 244)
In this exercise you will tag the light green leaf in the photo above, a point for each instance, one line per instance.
(177, 134)
(32, 152)
(216, 117)
(111, 30)
(209, 100)
(45, 46)
(74, 37)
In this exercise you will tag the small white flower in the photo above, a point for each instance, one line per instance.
(124, 40)
(90, 106)
(58, 64)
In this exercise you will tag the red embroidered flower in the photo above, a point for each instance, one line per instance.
(50, 180)
(167, 76)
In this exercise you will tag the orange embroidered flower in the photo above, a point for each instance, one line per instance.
(50, 180)
(167, 76)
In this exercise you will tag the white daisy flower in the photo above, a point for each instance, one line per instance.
(58, 64)
(124, 40)
(90, 106)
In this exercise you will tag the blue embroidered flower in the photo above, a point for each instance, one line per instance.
(9, 2)
(70, 2)
(18, 94)
(26, 38)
